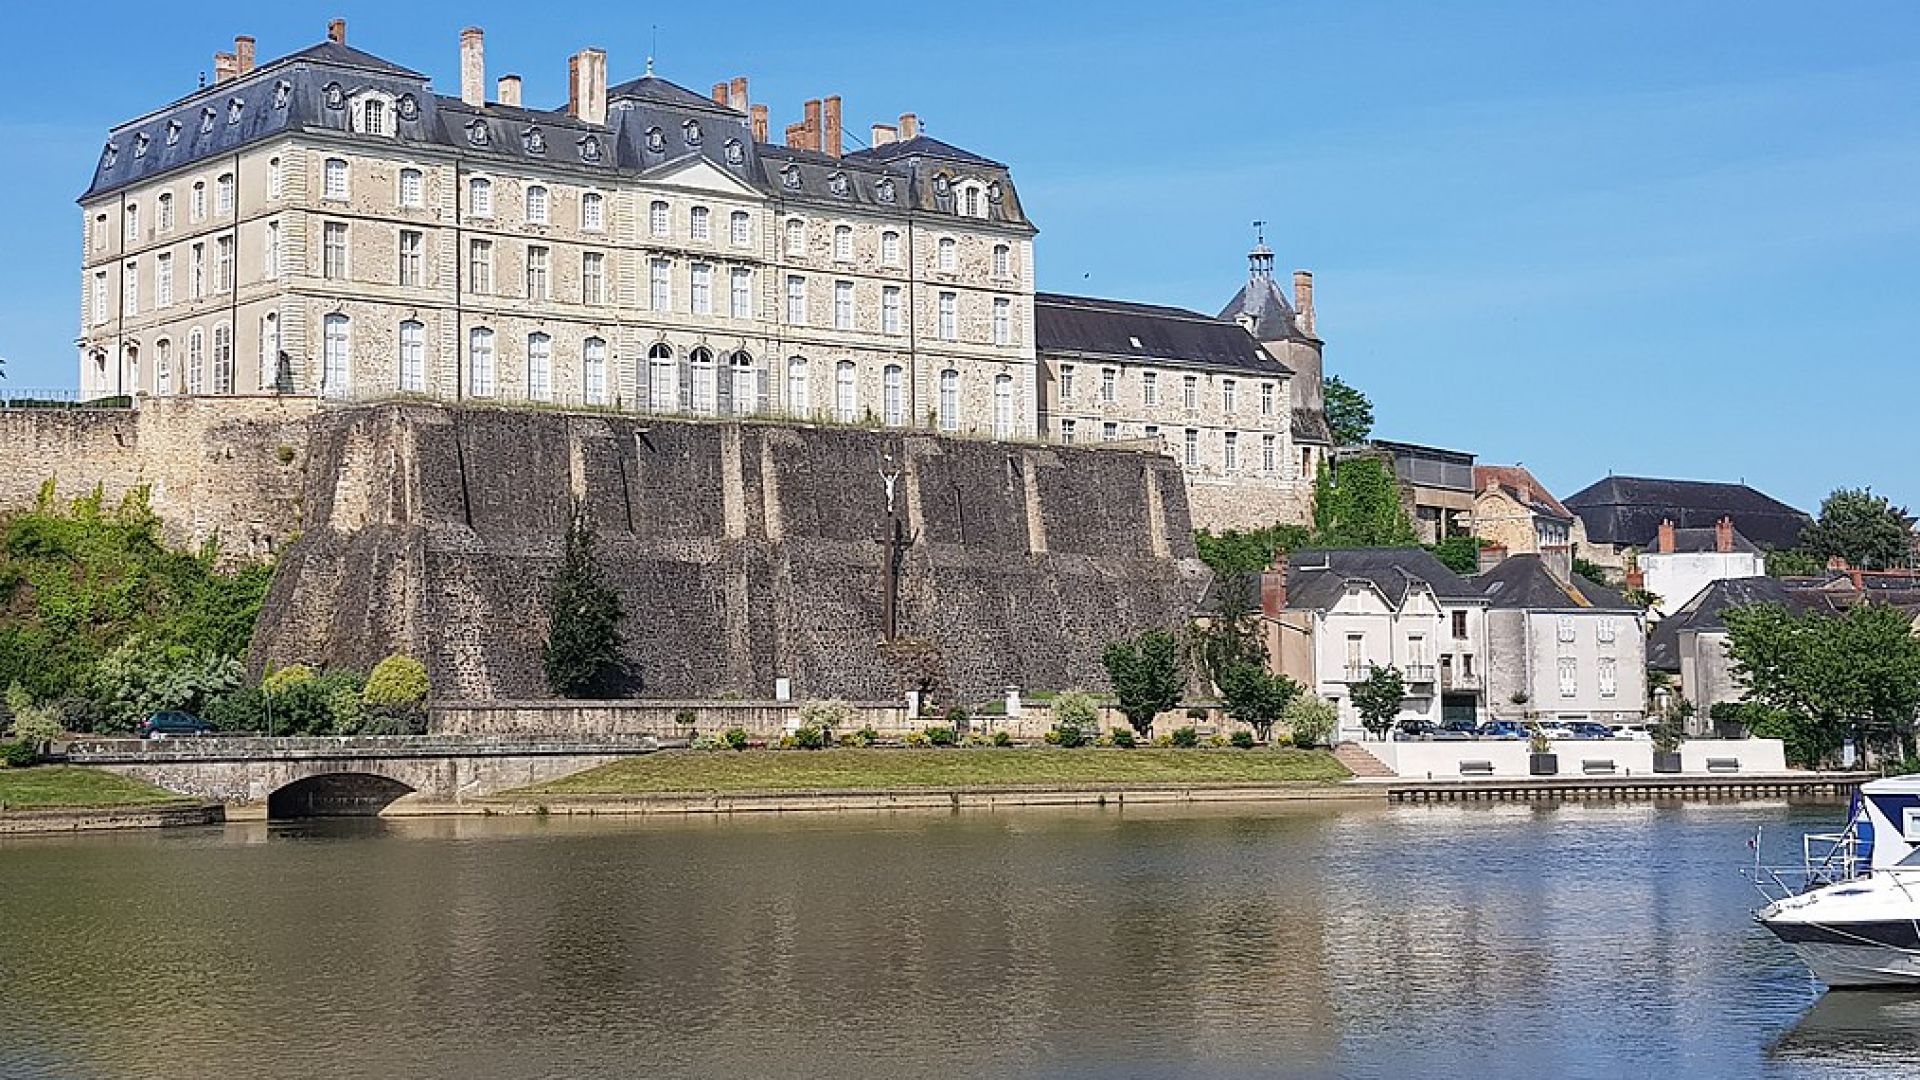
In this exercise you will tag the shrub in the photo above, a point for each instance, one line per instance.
(1216, 739)
(1280, 741)
(1185, 738)
(1077, 708)
(1163, 740)
(808, 737)
(1242, 739)
(917, 739)
(686, 718)
(1069, 735)
(976, 738)
(735, 738)
(940, 736)
(280, 680)
(398, 684)
(1003, 738)
(866, 736)
(957, 718)
(1122, 737)
(34, 725)
(826, 715)
(1311, 719)
(707, 742)
(17, 754)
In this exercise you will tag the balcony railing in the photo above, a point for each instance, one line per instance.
(1454, 680)
(1359, 672)
(1418, 673)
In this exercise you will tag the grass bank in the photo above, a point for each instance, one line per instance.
(55, 787)
(678, 771)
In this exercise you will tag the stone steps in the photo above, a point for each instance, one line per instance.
(1360, 761)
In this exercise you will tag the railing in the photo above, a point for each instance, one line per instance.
(1418, 673)
(1455, 680)
(57, 398)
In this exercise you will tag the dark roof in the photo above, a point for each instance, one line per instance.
(1627, 511)
(1703, 612)
(1273, 316)
(1524, 582)
(1317, 578)
(1695, 541)
(341, 54)
(655, 90)
(924, 146)
(1519, 484)
(1084, 326)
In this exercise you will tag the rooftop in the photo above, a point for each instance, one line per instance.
(1627, 511)
(1317, 578)
(1524, 582)
(1095, 328)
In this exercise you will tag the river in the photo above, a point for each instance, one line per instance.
(1433, 941)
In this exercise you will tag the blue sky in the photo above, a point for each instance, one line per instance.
(1646, 238)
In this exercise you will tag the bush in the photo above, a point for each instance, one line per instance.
(976, 738)
(280, 680)
(957, 718)
(826, 715)
(708, 742)
(398, 683)
(735, 738)
(1311, 719)
(940, 736)
(1003, 738)
(686, 718)
(866, 736)
(34, 725)
(1076, 708)
(808, 737)
(17, 754)
(917, 739)
(1122, 737)
(1279, 742)
(1186, 738)
(1216, 740)
(1242, 739)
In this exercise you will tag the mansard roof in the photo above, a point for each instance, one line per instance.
(1118, 330)
(654, 90)
(925, 146)
(1628, 510)
(340, 54)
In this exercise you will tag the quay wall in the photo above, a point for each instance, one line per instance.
(1509, 758)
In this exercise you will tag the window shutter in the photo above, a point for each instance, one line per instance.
(642, 373)
(723, 385)
(686, 383)
(762, 378)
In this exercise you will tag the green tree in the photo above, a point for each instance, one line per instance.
(1863, 528)
(395, 696)
(1349, 413)
(583, 641)
(1359, 506)
(1231, 634)
(1237, 552)
(1377, 698)
(1256, 697)
(1311, 718)
(1794, 562)
(1590, 570)
(1829, 674)
(1459, 553)
(1147, 676)
(1076, 719)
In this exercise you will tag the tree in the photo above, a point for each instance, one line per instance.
(1459, 553)
(1257, 698)
(1590, 570)
(1237, 552)
(1147, 676)
(1230, 635)
(1349, 413)
(1794, 562)
(1829, 674)
(1359, 506)
(396, 694)
(1862, 528)
(1311, 718)
(583, 642)
(1377, 698)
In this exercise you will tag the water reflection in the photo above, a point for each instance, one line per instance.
(1856, 1027)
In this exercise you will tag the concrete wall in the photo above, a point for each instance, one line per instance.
(1441, 760)
(1678, 577)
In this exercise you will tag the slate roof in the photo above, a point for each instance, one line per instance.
(1627, 511)
(1274, 318)
(924, 146)
(1703, 612)
(1086, 326)
(1697, 541)
(341, 54)
(1317, 578)
(1520, 485)
(1523, 582)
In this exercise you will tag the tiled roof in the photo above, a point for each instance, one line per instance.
(1628, 510)
(1697, 541)
(1704, 612)
(1524, 582)
(1520, 485)
(1117, 329)
(1273, 316)
(1317, 578)
(924, 146)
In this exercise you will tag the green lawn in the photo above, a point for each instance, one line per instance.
(49, 787)
(973, 767)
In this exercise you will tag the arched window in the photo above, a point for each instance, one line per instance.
(269, 352)
(1002, 261)
(742, 229)
(593, 211)
(413, 356)
(536, 205)
(746, 384)
(539, 367)
(480, 362)
(1003, 406)
(950, 400)
(480, 197)
(165, 213)
(700, 223)
(197, 208)
(163, 367)
(335, 371)
(412, 188)
(893, 395)
(223, 193)
(130, 354)
(949, 253)
(796, 236)
(657, 220)
(196, 361)
(593, 373)
(276, 178)
(702, 387)
(843, 243)
(846, 397)
(798, 397)
(663, 379)
(333, 182)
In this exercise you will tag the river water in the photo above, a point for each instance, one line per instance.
(1427, 941)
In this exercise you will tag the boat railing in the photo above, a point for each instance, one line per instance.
(1825, 859)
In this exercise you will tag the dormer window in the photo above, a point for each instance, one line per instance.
(736, 154)
(206, 120)
(282, 92)
(408, 107)
(235, 110)
(790, 177)
(656, 141)
(883, 190)
(373, 116)
(173, 132)
(477, 133)
(590, 150)
(335, 96)
(534, 140)
(839, 186)
(970, 201)
(692, 129)
(140, 142)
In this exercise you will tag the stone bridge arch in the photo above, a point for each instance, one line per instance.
(335, 794)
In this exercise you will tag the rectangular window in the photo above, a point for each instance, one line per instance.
(333, 184)
(1002, 321)
(658, 223)
(413, 352)
(480, 361)
(593, 277)
(893, 396)
(412, 262)
(1151, 431)
(1150, 386)
(223, 262)
(1068, 429)
(1609, 676)
(1229, 396)
(1109, 385)
(660, 285)
(742, 293)
(593, 211)
(950, 400)
(223, 197)
(1066, 382)
(890, 248)
(480, 268)
(536, 206)
(273, 259)
(1266, 399)
(742, 229)
(1605, 629)
(197, 271)
(412, 192)
(163, 279)
(1269, 459)
(1460, 626)
(333, 254)
(1193, 449)
(540, 367)
(842, 244)
(1190, 392)
(702, 292)
(99, 297)
(539, 272)
(796, 236)
(700, 224)
(1569, 677)
(890, 309)
(132, 223)
(949, 316)
(130, 288)
(594, 363)
(1109, 431)
(797, 300)
(843, 305)
(480, 197)
(196, 207)
(1233, 451)
(1566, 628)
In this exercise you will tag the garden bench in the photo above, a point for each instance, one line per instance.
(1476, 768)
(1723, 764)
(1597, 766)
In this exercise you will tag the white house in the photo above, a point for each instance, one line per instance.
(1685, 561)
(1562, 649)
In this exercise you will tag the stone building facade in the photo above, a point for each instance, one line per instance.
(326, 225)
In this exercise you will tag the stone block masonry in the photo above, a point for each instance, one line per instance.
(744, 552)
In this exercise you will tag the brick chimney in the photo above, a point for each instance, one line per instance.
(1492, 555)
(719, 93)
(1665, 544)
(812, 124)
(1273, 587)
(797, 136)
(225, 67)
(759, 113)
(587, 86)
(1303, 298)
(1723, 535)
(337, 31)
(830, 135)
(243, 54)
(1636, 580)
(737, 94)
(473, 66)
(510, 90)
(883, 134)
(909, 126)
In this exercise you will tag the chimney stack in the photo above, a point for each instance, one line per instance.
(1666, 544)
(909, 126)
(759, 123)
(1636, 580)
(225, 67)
(510, 90)
(337, 31)
(737, 94)
(796, 136)
(834, 144)
(1492, 555)
(473, 66)
(884, 134)
(243, 54)
(1303, 299)
(1723, 535)
(587, 86)
(720, 93)
(1273, 587)
(812, 124)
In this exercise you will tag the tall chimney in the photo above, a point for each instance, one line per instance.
(1666, 543)
(337, 31)
(243, 54)
(720, 93)
(737, 93)
(1273, 587)
(1636, 580)
(473, 66)
(1303, 298)
(909, 126)
(1723, 535)
(796, 136)
(759, 123)
(883, 134)
(225, 66)
(834, 145)
(812, 124)
(587, 86)
(510, 90)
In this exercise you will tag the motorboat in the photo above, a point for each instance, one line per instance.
(1854, 914)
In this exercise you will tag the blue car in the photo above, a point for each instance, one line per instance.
(1504, 729)
(1587, 729)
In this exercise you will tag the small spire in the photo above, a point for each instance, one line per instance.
(649, 65)
(1260, 259)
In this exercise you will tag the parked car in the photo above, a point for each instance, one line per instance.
(1636, 732)
(1456, 730)
(1418, 729)
(1504, 729)
(1557, 731)
(1588, 729)
(173, 723)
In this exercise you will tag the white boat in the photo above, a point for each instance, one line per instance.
(1855, 916)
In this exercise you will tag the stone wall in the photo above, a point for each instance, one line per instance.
(743, 553)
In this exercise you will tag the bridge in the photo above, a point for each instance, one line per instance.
(349, 775)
